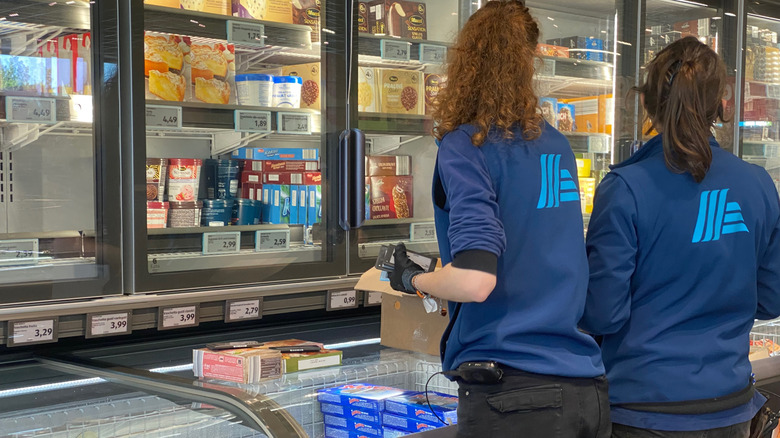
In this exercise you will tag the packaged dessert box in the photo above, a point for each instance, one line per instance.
(279, 11)
(362, 396)
(373, 417)
(432, 86)
(398, 18)
(391, 197)
(408, 424)
(307, 12)
(553, 50)
(566, 118)
(293, 362)
(415, 406)
(246, 365)
(351, 424)
(363, 17)
(219, 7)
(400, 92)
(549, 106)
(164, 66)
(586, 110)
(367, 90)
(311, 88)
(388, 165)
(212, 72)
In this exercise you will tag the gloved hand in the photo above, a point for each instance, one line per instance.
(404, 271)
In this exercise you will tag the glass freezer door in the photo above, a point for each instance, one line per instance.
(243, 110)
(406, 42)
(59, 201)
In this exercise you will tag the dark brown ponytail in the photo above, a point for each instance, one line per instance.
(682, 97)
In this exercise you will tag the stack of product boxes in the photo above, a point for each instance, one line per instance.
(287, 181)
(577, 47)
(372, 411)
(389, 187)
(660, 36)
(591, 114)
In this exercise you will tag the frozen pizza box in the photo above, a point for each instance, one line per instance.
(415, 406)
(363, 396)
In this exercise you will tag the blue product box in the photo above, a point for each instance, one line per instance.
(566, 118)
(576, 46)
(265, 207)
(372, 417)
(318, 201)
(353, 425)
(284, 154)
(389, 432)
(274, 204)
(363, 396)
(595, 44)
(284, 203)
(407, 424)
(335, 432)
(414, 406)
(294, 205)
(303, 196)
(549, 106)
(314, 205)
(243, 153)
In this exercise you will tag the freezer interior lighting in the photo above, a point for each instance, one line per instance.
(343, 345)
(49, 387)
(755, 124)
(730, 14)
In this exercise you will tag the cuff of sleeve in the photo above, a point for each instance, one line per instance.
(476, 259)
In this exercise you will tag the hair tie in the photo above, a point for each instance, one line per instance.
(673, 70)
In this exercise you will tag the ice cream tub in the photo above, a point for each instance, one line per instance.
(216, 213)
(227, 179)
(287, 91)
(246, 212)
(184, 214)
(183, 179)
(255, 89)
(156, 214)
(156, 172)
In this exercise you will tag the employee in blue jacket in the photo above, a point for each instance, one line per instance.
(684, 253)
(510, 230)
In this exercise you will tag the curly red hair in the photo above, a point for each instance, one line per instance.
(490, 72)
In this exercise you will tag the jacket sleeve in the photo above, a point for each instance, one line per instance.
(769, 278)
(612, 249)
(473, 203)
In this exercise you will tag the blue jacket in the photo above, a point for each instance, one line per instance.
(518, 200)
(678, 272)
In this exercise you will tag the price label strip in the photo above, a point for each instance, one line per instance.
(108, 324)
(433, 54)
(395, 50)
(31, 110)
(32, 332)
(178, 317)
(242, 310)
(344, 299)
(372, 299)
(422, 231)
(241, 32)
(19, 252)
(252, 121)
(293, 123)
(272, 240)
(222, 243)
(163, 116)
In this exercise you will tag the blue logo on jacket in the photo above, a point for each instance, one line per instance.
(557, 184)
(717, 217)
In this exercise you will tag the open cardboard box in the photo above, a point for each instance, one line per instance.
(405, 323)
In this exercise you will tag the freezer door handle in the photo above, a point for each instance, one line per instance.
(352, 178)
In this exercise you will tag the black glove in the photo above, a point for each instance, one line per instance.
(404, 270)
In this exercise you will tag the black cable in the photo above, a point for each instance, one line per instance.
(428, 401)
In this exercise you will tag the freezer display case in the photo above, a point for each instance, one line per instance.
(236, 173)
(59, 197)
(401, 48)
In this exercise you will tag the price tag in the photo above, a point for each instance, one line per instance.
(432, 54)
(241, 32)
(252, 121)
(222, 243)
(293, 123)
(395, 50)
(19, 252)
(272, 240)
(176, 317)
(161, 116)
(32, 332)
(344, 299)
(422, 231)
(108, 324)
(241, 310)
(30, 109)
(372, 298)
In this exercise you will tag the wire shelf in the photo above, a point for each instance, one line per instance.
(766, 334)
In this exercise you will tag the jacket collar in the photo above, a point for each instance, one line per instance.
(653, 147)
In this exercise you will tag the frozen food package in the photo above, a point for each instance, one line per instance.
(164, 66)
(391, 197)
(400, 92)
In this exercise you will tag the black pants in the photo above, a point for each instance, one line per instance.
(534, 406)
(741, 430)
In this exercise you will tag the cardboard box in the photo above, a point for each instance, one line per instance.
(398, 18)
(363, 17)
(303, 196)
(307, 12)
(311, 89)
(252, 191)
(219, 7)
(549, 106)
(373, 417)
(553, 50)
(283, 178)
(432, 86)
(245, 365)
(400, 92)
(368, 91)
(388, 165)
(286, 166)
(294, 204)
(294, 362)
(363, 396)
(606, 113)
(407, 424)
(337, 432)
(415, 406)
(279, 11)
(391, 197)
(314, 205)
(583, 167)
(164, 67)
(405, 323)
(351, 424)
(586, 113)
(576, 46)
(277, 154)
(251, 176)
(566, 118)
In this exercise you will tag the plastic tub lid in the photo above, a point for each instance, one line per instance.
(156, 205)
(212, 203)
(185, 204)
(156, 161)
(243, 201)
(254, 77)
(288, 80)
(186, 161)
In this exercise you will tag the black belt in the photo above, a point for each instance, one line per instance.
(696, 407)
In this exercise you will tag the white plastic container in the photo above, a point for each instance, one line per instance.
(287, 91)
(255, 89)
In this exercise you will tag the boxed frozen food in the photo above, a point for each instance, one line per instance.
(566, 118)
(294, 197)
(212, 72)
(283, 177)
(278, 204)
(252, 191)
(164, 66)
(408, 424)
(586, 113)
(293, 362)
(75, 63)
(388, 165)
(251, 176)
(373, 417)
(391, 197)
(303, 196)
(363, 17)
(314, 205)
(695, 28)
(580, 47)
(398, 18)
(367, 90)
(587, 192)
(287, 166)
(156, 214)
(549, 106)
(184, 214)
(156, 175)
(220, 7)
(279, 11)
(337, 432)
(245, 365)
(432, 85)
(606, 113)
(415, 406)
(400, 92)
(363, 396)
(277, 154)
(350, 424)
(311, 86)
(307, 12)
(389, 432)
(553, 50)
